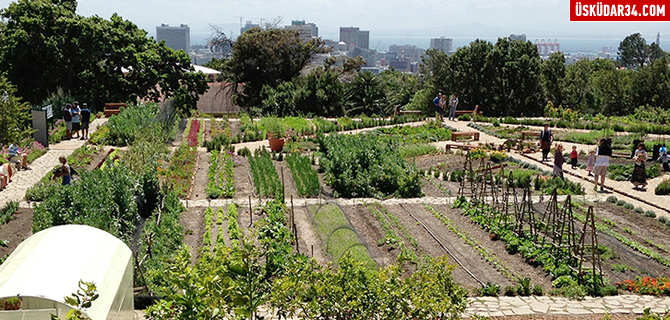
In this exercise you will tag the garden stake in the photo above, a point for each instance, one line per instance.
(283, 187)
(251, 214)
(312, 251)
(292, 213)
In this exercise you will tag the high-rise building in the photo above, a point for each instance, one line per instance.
(443, 44)
(355, 36)
(248, 26)
(362, 39)
(520, 37)
(348, 34)
(177, 38)
(307, 30)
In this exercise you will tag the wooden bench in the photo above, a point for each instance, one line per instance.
(462, 112)
(464, 147)
(473, 134)
(533, 134)
(398, 112)
(112, 109)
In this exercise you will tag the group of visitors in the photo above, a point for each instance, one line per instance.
(599, 160)
(77, 119)
(440, 103)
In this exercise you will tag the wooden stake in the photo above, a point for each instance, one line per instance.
(283, 187)
(292, 213)
(251, 214)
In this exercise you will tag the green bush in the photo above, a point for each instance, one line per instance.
(244, 152)
(639, 210)
(510, 291)
(368, 166)
(465, 117)
(663, 220)
(490, 290)
(629, 206)
(133, 121)
(7, 212)
(612, 199)
(620, 202)
(105, 199)
(650, 214)
(663, 188)
(538, 290)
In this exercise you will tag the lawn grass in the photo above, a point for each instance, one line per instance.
(338, 235)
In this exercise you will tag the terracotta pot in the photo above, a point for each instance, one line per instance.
(276, 144)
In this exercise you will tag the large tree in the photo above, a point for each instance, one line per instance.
(46, 46)
(266, 58)
(553, 76)
(635, 53)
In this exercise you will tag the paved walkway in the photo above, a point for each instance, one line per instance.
(509, 306)
(24, 179)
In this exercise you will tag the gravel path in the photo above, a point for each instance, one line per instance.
(24, 179)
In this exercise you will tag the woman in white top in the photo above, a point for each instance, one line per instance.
(639, 178)
(603, 154)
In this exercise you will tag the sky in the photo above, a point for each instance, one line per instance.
(434, 18)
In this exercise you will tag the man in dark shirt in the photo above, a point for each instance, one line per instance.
(85, 120)
(545, 142)
(67, 117)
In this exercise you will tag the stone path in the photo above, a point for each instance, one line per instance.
(24, 179)
(509, 306)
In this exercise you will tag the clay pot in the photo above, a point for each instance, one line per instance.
(276, 144)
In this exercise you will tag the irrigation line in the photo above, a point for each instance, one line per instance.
(608, 187)
(441, 244)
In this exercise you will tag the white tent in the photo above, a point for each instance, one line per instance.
(205, 70)
(48, 266)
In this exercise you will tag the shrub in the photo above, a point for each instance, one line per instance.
(629, 206)
(490, 290)
(7, 212)
(368, 166)
(510, 291)
(663, 188)
(465, 117)
(620, 202)
(538, 290)
(650, 214)
(244, 152)
(663, 220)
(525, 287)
(612, 199)
(639, 210)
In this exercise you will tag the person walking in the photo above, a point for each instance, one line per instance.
(639, 177)
(546, 138)
(453, 103)
(438, 106)
(76, 118)
(64, 171)
(603, 154)
(85, 120)
(67, 117)
(592, 160)
(663, 159)
(558, 162)
(574, 158)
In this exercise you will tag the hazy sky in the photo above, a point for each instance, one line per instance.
(536, 18)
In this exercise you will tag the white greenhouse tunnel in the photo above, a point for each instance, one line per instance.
(49, 265)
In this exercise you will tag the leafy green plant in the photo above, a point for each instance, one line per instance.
(490, 290)
(525, 287)
(233, 226)
(179, 173)
(638, 210)
(650, 214)
(663, 188)
(221, 183)
(629, 206)
(620, 202)
(305, 177)
(510, 291)
(7, 212)
(538, 290)
(621, 268)
(612, 199)
(264, 174)
(80, 300)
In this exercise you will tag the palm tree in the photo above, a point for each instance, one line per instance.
(366, 96)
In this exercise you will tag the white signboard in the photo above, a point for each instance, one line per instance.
(50, 111)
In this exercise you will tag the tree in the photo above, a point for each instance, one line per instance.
(651, 85)
(45, 42)
(266, 57)
(615, 91)
(553, 78)
(14, 115)
(366, 96)
(320, 93)
(635, 53)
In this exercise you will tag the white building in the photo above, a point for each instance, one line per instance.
(443, 44)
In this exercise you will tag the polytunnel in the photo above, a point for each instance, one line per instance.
(49, 265)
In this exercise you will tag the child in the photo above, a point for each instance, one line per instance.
(639, 178)
(573, 157)
(592, 160)
(663, 159)
(558, 161)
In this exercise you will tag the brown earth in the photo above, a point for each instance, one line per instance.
(16, 230)
(289, 184)
(200, 180)
(243, 184)
(193, 221)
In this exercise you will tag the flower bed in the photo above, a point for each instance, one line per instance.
(193, 133)
(645, 285)
(179, 173)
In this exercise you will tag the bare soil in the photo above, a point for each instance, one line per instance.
(200, 181)
(193, 221)
(308, 241)
(97, 158)
(287, 178)
(369, 233)
(243, 185)
(16, 230)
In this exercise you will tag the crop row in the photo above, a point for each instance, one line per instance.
(221, 182)
(179, 173)
(305, 177)
(266, 179)
(220, 242)
(193, 133)
(391, 226)
(207, 237)
(233, 226)
(485, 253)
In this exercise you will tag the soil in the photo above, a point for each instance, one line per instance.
(200, 181)
(308, 241)
(448, 162)
(369, 233)
(243, 184)
(289, 184)
(235, 127)
(16, 230)
(431, 190)
(97, 158)
(193, 221)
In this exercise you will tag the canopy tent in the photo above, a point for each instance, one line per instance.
(49, 265)
(205, 70)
